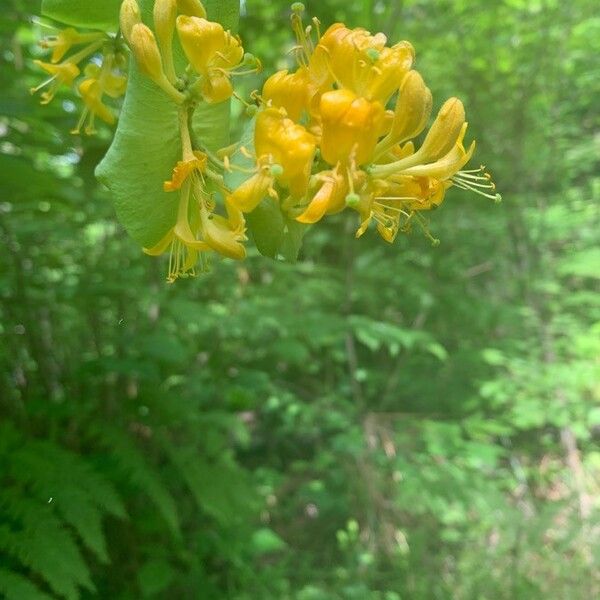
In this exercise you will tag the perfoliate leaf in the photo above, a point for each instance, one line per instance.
(92, 14)
(147, 144)
(266, 224)
(292, 239)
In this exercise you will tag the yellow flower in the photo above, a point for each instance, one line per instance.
(197, 229)
(63, 73)
(290, 91)
(351, 127)
(286, 144)
(91, 91)
(440, 139)
(411, 112)
(65, 40)
(396, 193)
(193, 8)
(361, 62)
(184, 168)
(220, 235)
(100, 80)
(285, 153)
(212, 52)
(114, 84)
(129, 15)
(165, 13)
(328, 199)
(247, 196)
(147, 55)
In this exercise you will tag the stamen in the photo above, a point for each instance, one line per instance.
(317, 25)
(422, 222)
(478, 181)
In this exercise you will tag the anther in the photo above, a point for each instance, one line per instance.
(373, 54)
(276, 170)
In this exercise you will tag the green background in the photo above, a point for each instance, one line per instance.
(374, 422)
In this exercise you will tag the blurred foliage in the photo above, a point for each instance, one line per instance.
(375, 422)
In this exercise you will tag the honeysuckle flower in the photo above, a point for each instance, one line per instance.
(285, 151)
(411, 112)
(361, 62)
(212, 52)
(148, 59)
(100, 80)
(164, 15)
(351, 127)
(113, 83)
(197, 230)
(288, 145)
(192, 8)
(64, 40)
(91, 91)
(247, 196)
(62, 74)
(184, 168)
(398, 192)
(344, 81)
(291, 91)
(129, 15)
(443, 135)
(329, 197)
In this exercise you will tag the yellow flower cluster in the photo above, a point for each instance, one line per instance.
(214, 55)
(338, 132)
(104, 79)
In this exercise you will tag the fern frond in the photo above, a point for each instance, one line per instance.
(16, 587)
(132, 465)
(221, 488)
(72, 487)
(36, 538)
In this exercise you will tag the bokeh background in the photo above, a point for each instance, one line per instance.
(374, 422)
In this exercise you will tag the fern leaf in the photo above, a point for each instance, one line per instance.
(79, 494)
(133, 466)
(16, 587)
(38, 540)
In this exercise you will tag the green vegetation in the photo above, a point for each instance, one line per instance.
(374, 422)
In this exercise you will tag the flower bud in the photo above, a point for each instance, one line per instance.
(412, 108)
(129, 16)
(145, 49)
(192, 8)
(444, 132)
(165, 13)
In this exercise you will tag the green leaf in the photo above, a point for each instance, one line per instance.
(93, 14)
(265, 541)
(584, 263)
(147, 145)
(15, 587)
(266, 225)
(293, 235)
(155, 577)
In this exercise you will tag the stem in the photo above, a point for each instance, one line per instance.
(187, 150)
